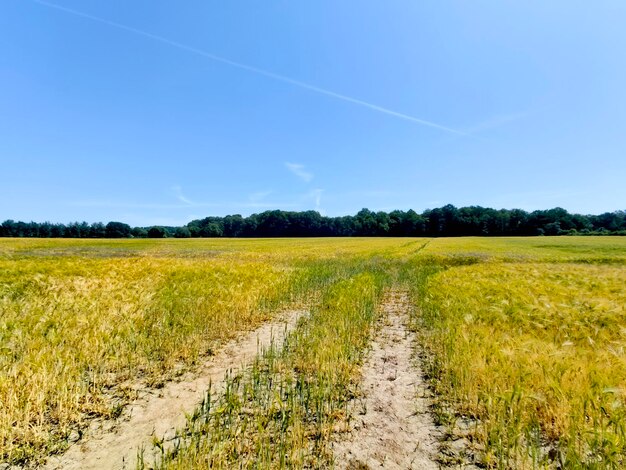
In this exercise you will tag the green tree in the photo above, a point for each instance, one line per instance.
(157, 232)
(182, 232)
(139, 232)
(97, 230)
(213, 230)
(117, 230)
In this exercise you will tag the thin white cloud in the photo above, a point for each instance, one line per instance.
(300, 171)
(181, 197)
(495, 122)
(139, 220)
(264, 205)
(317, 197)
(533, 200)
(135, 205)
(255, 70)
(259, 196)
(220, 206)
(371, 193)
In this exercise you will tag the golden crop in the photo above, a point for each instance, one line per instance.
(533, 352)
(525, 338)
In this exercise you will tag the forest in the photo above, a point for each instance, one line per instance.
(446, 221)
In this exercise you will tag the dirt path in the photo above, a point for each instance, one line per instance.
(158, 413)
(391, 425)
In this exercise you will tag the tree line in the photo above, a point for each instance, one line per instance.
(446, 221)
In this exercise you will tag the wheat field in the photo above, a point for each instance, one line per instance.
(522, 340)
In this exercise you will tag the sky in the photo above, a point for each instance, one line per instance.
(155, 112)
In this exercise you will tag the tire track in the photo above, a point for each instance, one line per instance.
(391, 426)
(158, 413)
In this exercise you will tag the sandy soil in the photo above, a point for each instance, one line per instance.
(391, 426)
(158, 413)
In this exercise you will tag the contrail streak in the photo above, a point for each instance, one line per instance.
(249, 68)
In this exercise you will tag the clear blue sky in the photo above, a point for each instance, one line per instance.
(127, 114)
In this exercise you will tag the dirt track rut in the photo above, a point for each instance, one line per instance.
(391, 426)
(158, 413)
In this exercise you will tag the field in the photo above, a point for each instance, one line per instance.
(521, 341)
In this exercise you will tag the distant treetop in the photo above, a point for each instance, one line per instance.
(446, 221)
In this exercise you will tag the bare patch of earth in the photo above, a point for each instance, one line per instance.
(391, 425)
(157, 414)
